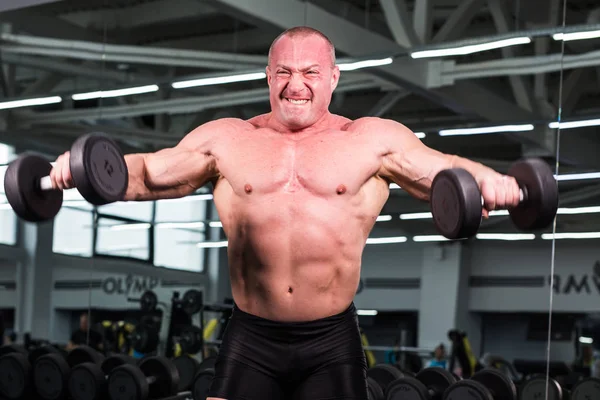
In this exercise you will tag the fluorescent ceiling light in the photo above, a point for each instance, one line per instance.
(197, 197)
(572, 235)
(102, 94)
(365, 64)
(574, 124)
(430, 238)
(578, 210)
(209, 245)
(586, 340)
(216, 224)
(384, 240)
(470, 49)
(219, 80)
(488, 129)
(576, 35)
(417, 215)
(505, 236)
(578, 177)
(128, 227)
(384, 218)
(40, 101)
(420, 135)
(175, 225)
(367, 312)
(394, 186)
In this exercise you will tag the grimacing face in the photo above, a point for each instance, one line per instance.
(301, 80)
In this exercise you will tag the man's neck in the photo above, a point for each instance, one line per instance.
(321, 124)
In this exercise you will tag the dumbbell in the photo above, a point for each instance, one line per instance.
(15, 373)
(153, 378)
(428, 384)
(51, 371)
(88, 381)
(456, 201)
(534, 388)
(187, 367)
(382, 375)
(98, 169)
(203, 378)
(487, 384)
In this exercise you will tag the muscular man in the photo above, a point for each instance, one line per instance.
(297, 190)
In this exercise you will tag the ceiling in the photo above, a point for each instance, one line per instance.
(62, 47)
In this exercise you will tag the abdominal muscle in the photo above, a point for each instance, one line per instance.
(293, 257)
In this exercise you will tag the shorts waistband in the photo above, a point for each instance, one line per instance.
(349, 314)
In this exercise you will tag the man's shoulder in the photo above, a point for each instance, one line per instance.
(370, 125)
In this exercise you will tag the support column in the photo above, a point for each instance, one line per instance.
(216, 261)
(444, 302)
(34, 274)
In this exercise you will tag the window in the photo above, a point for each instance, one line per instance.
(73, 233)
(179, 228)
(124, 239)
(8, 219)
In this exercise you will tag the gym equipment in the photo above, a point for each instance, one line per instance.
(374, 390)
(97, 167)
(429, 384)
(88, 380)
(51, 371)
(145, 338)
(487, 384)
(154, 377)
(15, 373)
(203, 378)
(456, 200)
(191, 339)
(588, 388)
(191, 302)
(148, 301)
(384, 374)
(187, 367)
(534, 388)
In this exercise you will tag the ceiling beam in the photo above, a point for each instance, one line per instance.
(7, 5)
(397, 17)
(458, 21)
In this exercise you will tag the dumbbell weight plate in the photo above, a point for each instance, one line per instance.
(535, 388)
(87, 382)
(145, 339)
(21, 184)
(127, 382)
(114, 361)
(50, 376)
(148, 301)
(499, 384)
(167, 376)
(202, 383)
(541, 206)
(467, 390)
(15, 375)
(12, 348)
(192, 301)
(384, 374)
(374, 390)
(588, 388)
(187, 367)
(416, 388)
(41, 351)
(455, 202)
(98, 169)
(190, 339)
(83, 354)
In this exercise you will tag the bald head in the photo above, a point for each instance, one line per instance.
(302, 32)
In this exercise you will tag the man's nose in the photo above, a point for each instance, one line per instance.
(296, 83)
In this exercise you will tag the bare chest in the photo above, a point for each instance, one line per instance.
(329, 164)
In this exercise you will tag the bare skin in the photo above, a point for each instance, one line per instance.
(298, 189)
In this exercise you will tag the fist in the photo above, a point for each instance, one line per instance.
(499, 192)
(60, 175)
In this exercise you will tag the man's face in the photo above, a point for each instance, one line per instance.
(301, 80)
(83, 322)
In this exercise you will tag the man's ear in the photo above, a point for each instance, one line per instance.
(335, 77)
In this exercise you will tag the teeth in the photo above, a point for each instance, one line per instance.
(294, 101)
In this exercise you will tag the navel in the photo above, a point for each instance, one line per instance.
(248, 188)
(341, 189)
(290, 290)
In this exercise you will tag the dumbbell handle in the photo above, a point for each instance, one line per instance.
(522, 196)
(46, 183)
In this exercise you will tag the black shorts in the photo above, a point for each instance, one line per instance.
(264, 359)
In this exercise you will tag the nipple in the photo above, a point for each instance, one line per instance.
(341, 189)
(248, 188)
(290, 290)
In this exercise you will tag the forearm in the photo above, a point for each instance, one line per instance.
(478, 170)
(143, 186)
